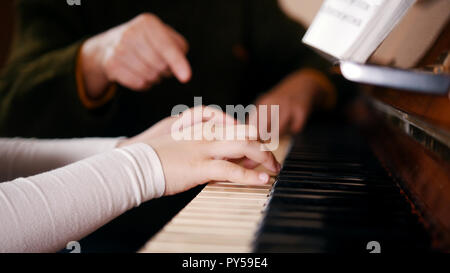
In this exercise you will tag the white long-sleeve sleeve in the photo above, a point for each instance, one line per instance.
(25, 157)
(43, 213)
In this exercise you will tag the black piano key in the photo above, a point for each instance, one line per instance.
(291, 179)
(345, 218)
(335, 175)
(357, 196)
(343, 215)
(283, 199)
(355, 229)
(324, 185)
(332, 195)
(300, 243)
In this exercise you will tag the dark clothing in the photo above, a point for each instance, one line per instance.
(238, 49)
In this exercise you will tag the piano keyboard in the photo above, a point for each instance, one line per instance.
(331, 195)
(223, 218)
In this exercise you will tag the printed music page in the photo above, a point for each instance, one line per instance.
(339, 25)
(415, 34)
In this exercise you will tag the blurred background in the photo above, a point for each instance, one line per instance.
(6, 29)
(403, 48)
(301, 10)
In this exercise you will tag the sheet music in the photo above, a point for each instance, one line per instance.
(339, 24)
(414, 35)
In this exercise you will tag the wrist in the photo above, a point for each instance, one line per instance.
(148, 165)
(126, 141)
(324, 91)
(94, 78)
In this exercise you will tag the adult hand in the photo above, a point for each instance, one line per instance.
(296, 96)
(136, 54)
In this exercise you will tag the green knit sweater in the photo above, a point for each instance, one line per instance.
(238, 49)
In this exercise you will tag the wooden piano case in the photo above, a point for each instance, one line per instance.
(411, 137)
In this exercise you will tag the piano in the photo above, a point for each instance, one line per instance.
(375, 179)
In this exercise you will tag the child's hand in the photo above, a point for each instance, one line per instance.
(188, 163)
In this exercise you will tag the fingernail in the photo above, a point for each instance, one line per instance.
(264, 177)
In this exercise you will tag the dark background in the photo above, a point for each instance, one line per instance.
(130, 231)
(6, 29)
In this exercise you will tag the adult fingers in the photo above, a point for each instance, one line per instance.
(169, 50)
(298, 119)
(128, 78)
(284, 120)
(179, 39)
(134, 63)
(145, 50)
